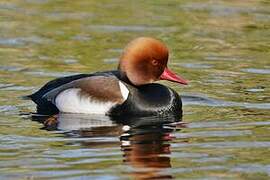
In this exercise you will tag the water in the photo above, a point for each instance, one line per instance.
(222, 47)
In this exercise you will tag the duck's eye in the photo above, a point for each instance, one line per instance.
(154, 62)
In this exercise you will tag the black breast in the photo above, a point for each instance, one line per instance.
(150, 99)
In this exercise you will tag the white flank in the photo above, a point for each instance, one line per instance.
(70, 101)
(124, 90)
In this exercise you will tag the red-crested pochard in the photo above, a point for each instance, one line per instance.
(127, 91)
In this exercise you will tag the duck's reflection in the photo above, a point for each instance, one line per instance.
(145, 142)
(148, 151)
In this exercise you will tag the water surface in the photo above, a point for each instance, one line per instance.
(222, 47)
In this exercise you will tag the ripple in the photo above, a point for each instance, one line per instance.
(193, 65)
(206, 168)
(218, 80)
(189, 155)
(58, 16)
(257, 71)
(81, 38)
(79, 153)
(70, 61)
(223, 58)
(39, 140)
(262, 17)
(110, 60)
(212, 159)
(255, 90)
(227, 133)
(13, 87)
(252, 168)
(50, 74)
(2, 86)
(221, 10)
(226, 124)
(117, 50)
(21, 41)
(11, 68)
(8, 108)
(212, 124)
(58, 173)
(113, 28)
(8, 6)
(258, 123)
(37, 1)
(203, 100)
(228, 144)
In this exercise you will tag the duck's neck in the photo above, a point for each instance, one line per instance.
(123, 77)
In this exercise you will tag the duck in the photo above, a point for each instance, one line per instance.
(128, 91)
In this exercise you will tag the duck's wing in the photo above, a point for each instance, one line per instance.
(65, 92)
(44, 106)
(100, 88)
(91, 95)
(64, 80)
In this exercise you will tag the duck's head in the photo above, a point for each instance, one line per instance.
(144, 61)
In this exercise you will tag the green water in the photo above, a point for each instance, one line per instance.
(221, 47)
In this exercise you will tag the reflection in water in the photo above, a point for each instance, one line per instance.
(145, 141)
(148, 151)
(70, 122)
